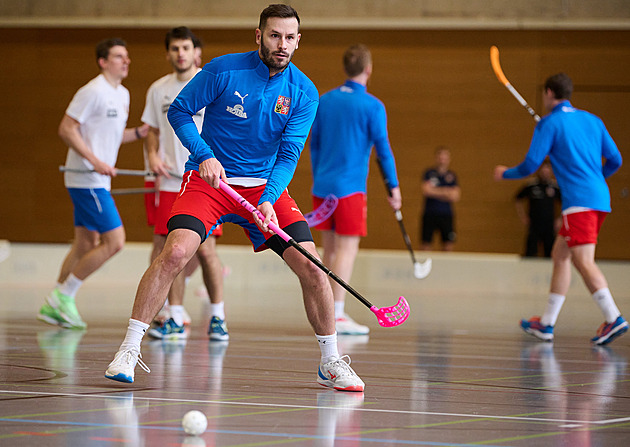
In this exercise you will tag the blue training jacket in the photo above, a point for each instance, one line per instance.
(349, 122)
(576, 141)
(256, 126)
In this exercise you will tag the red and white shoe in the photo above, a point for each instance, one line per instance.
(337, 374)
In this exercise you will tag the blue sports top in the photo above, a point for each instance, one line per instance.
(576, 141)
(349, 122)
(254, 125)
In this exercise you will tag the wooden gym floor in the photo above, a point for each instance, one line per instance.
(434, 381)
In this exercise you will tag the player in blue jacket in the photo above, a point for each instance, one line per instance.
(258, 112)
(575, 141)
(349, 122)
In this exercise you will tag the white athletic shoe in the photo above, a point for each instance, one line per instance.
(338, 375)
(347, 326)
(123, 365)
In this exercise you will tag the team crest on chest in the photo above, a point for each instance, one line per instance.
(282, 105)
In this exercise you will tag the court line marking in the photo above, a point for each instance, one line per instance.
(372, 410)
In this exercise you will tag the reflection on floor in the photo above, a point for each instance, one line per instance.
(424, 387)
(459, 372)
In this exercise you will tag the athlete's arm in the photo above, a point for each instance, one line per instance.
(538, 149)
(152, 145)
(378, 134)
(135, 133)
(611, 153)
(200, 91)
(70, 133)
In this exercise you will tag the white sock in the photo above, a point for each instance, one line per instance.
(70, 286)
(328, 346)
(135, 332)
(604, 300)
(177, 314)
(339, 309)
(218, 310)
(554, 304)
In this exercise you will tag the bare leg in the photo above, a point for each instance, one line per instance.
(192, 265)
(345, 249)
(111, 243)
(84, 241)
(584, 260)
(176, 292)
(212, 269)
(561, 274)
(316, 291)
(180, 246)
(158, 244)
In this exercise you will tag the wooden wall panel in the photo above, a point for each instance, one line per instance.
(438, 88)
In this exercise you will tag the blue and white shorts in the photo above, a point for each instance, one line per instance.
(94, 209)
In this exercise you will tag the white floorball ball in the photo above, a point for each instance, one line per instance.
(194, 422)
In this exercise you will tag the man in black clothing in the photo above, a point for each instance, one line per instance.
(542, 194)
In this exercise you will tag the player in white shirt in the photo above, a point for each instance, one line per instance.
(166, 156)
(93, 127)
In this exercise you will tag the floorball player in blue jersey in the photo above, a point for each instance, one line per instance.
(259, 108)
(576, 142)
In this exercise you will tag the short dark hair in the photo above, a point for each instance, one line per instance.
(442, 148)
(103, 47)
(184, 33)
(355, 59)
(278, 10)
(561, 85)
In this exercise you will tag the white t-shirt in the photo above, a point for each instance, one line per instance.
(159, 98)
(102, 110)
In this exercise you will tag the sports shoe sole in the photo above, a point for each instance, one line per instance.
(321, 379)
(539, 335)
(619, 330)
(55, 322)
(120, 377)
(154, 333)
(219, 337)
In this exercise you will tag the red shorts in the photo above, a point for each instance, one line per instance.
(349, 218)
(214, 207)
(163, 214)
(149, 203)
(582, 228)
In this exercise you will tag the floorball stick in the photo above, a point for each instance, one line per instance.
(323, 211)
(134, 172)
(420, 270)
(386, 316)
(126, 191)
(496, 66)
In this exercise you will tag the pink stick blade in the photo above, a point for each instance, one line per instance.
(394, 315)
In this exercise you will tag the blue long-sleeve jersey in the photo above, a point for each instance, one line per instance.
(576, 141)
(256, 126)
(349, 122)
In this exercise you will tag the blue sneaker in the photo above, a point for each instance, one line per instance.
(217, 330)
(607, 332)
(168, 331)
(535, 328)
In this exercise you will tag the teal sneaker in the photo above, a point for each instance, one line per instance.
(217, 330)
(169, 331)
(65, 311)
